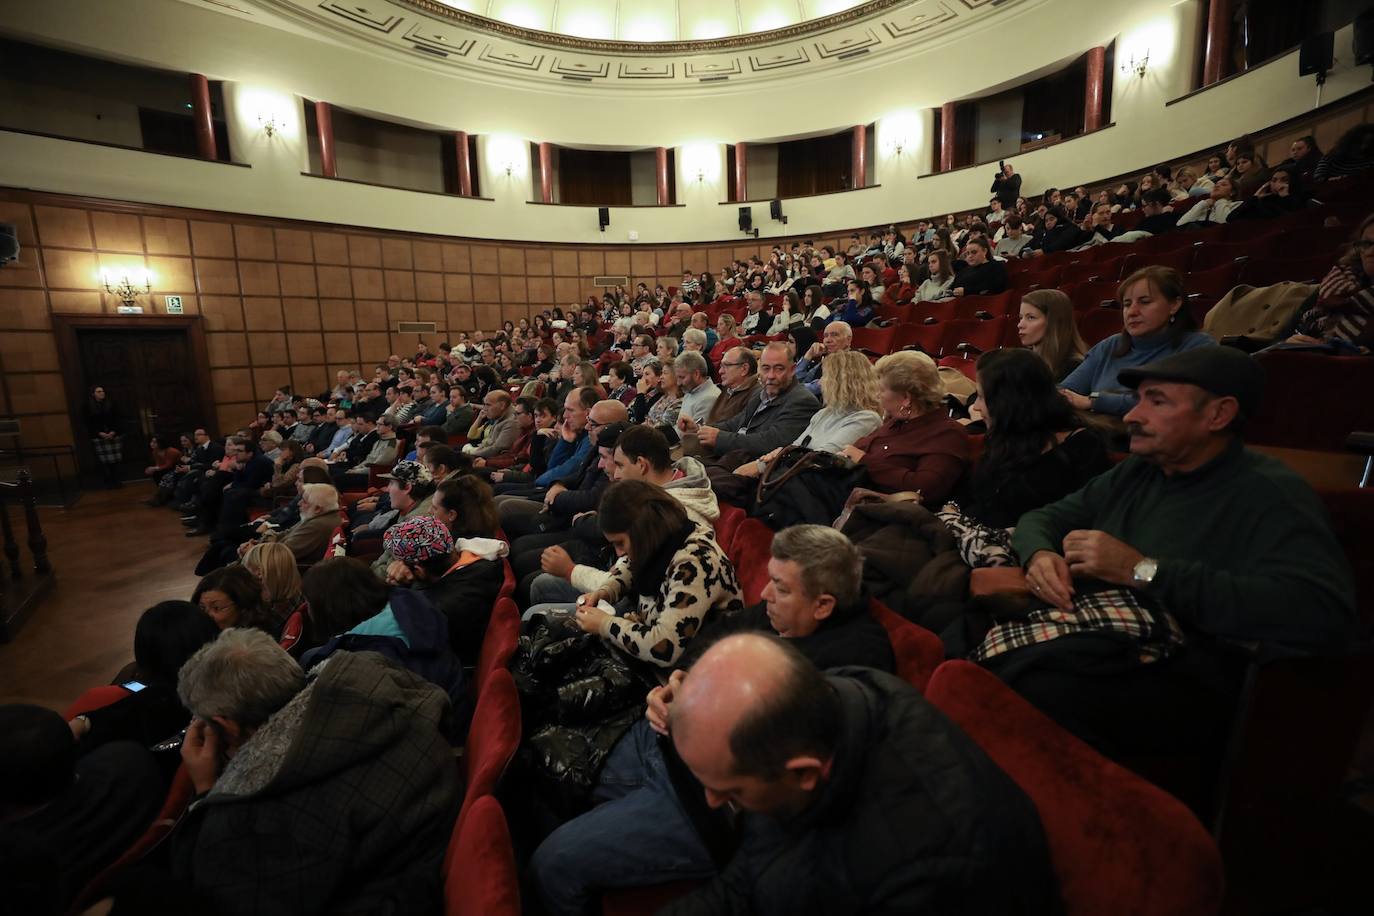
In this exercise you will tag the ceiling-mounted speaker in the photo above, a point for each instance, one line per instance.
(1316, 54)
(603, 217)
(1364, 38)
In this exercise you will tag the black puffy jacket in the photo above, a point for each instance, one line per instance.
(914, 818)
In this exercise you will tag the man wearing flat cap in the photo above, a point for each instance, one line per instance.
(1192, 540)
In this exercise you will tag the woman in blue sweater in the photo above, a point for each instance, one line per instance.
(1156, 325)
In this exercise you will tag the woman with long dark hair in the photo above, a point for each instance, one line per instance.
(102, 423)
(673, 569)
(857, 311)
(1037, 449)
(1046, 326)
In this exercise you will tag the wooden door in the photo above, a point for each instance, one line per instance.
(150, 377)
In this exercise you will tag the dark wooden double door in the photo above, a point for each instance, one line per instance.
(151, 379)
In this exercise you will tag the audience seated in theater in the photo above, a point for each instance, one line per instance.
(702, 323)
(1158, 217)
(64, 815)
(334, 793)
(1157, 324)
(1352, 154)
(822, 767)
(849, 391)
(495, 429)
(670, 568)
(738, 381)
(699, 393)
(460, 576)
(902, 290)
(164, 458)
(1340, 314)
(658, 386)
(408, 486)
(226, 492)
(167, 634)
(1280, 195)
(621, 382)
(573, 568)
(757, 319)
(838, 276)
(772, 416)
(325, 420)
(916, 449)
(1014, 238)
(857, 309)
(534, 422)
(837, 338)
(533, 524)
(1036, 451)
(727, 336)
(1056, 232)
(939, 277)
(319, 516)
(1192, 540)
(1046, 325)
(232, 597)
(1213, 209)
(286, 469)
(349, 609)
(204, 455)
(1099, 228)
(642, 829)
(1249, 171)
(274, 566)
(814, 310)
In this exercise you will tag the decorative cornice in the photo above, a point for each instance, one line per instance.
(657, 48)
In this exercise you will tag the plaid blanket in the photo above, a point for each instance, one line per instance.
(1112, 610)
(109, 451)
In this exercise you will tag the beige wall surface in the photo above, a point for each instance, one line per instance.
(269, 70)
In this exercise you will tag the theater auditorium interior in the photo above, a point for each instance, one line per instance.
(421, 419)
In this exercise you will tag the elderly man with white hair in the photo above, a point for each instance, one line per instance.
(837, 337)
(334, 793)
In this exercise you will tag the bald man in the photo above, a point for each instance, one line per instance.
(651, 822)
(854, 794)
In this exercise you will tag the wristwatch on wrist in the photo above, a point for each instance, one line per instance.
(1144, 571)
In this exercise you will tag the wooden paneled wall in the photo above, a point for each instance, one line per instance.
(281, 301)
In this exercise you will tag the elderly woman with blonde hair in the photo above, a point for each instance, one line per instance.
(917, 448)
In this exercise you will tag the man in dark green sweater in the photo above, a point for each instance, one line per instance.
(1231, 543)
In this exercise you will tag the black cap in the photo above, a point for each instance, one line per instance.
(608, 435)
(1223, 371)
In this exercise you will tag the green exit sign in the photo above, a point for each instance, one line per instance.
(173, 305)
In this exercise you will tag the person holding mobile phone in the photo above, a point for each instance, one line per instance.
(167, 634)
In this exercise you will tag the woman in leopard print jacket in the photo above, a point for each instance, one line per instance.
(673, 567)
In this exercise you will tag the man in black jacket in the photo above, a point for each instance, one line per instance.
(651, 824)
(325, 428)
(1007, 186)
(857, 795)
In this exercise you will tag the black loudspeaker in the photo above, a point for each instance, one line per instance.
(1316, 54)
(775, 209)
(746, 219)
(1364, 37)
(603, 217)
(9, 244)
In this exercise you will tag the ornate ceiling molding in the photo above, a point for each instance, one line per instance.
(656, 48)
(448, 38)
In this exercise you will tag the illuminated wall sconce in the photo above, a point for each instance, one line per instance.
(270, 125)
(701, 175)
(1138, 67)
(128, 288)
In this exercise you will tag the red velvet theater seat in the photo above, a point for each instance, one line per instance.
(479, 869)
(1119, 845)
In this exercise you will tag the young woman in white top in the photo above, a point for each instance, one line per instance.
(1215, 207)
(941, 277)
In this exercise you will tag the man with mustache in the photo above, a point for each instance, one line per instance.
(1192, 541)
